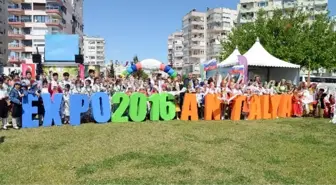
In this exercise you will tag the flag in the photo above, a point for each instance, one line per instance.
(211, 65)
(239, 69)
(28, 67)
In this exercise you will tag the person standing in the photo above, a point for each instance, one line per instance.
(15, 97)
(91, 77)
(4, 105)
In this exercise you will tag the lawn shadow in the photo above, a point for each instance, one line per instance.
(143, 161)
(2, 139)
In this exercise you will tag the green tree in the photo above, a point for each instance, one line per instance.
(290, 35)
(112, 71)
(140, 73)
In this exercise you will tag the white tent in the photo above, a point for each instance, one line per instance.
(262, 63)
(230, 60)
(258, 56)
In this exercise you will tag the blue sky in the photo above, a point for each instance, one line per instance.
(142, 26)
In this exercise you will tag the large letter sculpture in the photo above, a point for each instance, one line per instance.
(79, 103)
(101, 108)
(27, 112)
(52, 109)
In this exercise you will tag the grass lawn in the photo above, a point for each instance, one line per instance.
(301, 151)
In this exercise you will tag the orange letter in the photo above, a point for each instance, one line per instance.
(275, 101)
(189, 108)
(265, 107)
(284, 111)
(237, 107)
(212, 108)
(255, 111)
(289, 111)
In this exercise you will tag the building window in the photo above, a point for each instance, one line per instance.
(40, 18)
(26, 6)
(263, 4)
(26, 18)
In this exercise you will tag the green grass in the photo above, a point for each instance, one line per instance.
(291, 151)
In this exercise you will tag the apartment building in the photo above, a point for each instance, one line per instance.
(94, 50)
(248, 9)
(220, 22)
(3, 34)
(203, 33)
(175, 50)
(194, 39)
(30, 20)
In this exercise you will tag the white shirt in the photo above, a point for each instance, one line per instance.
(89, 78)
(3, 93)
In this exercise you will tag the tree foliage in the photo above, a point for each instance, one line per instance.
(292, 36)
(140, 74)
(112, 71)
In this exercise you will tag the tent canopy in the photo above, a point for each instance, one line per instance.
(230, 60)
(258, 56)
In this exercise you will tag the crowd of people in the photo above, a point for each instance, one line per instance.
(307, 99)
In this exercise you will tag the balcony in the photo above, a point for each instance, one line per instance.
(17, 1)
(54, 23)
(178, 54)
(16, 60)
(15, 10)
(215, 29)
(59, 2)
(15, 22)
(54, 11)
(16, 35)
(28, 49)
(197, 31)
(15, 47)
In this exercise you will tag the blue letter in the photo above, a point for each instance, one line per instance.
(101, 108)
(52, 109)
(27, 112)
(79, 103)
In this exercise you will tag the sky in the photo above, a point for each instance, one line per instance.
(142, 27)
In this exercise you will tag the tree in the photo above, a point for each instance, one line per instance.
(291, 36)
(140, 73)
(112, 71)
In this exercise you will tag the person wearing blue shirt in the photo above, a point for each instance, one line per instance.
(15, 97)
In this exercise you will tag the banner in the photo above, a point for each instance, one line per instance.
(157, 107)
(243, 61)
(28, 67)
(81, 71)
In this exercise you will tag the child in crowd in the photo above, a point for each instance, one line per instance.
(66, 104)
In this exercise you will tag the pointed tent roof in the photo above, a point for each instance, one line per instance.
(230, 60)
(258, 56)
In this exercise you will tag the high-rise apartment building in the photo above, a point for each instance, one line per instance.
(3, 34)
(248, 9)
(203, 33)
(194, 35)
(220, 22)
(94, 50)
(175, 50)
(30, 20)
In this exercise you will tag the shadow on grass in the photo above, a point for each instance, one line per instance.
(144, 161)
(235, 180)
(2, 139)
